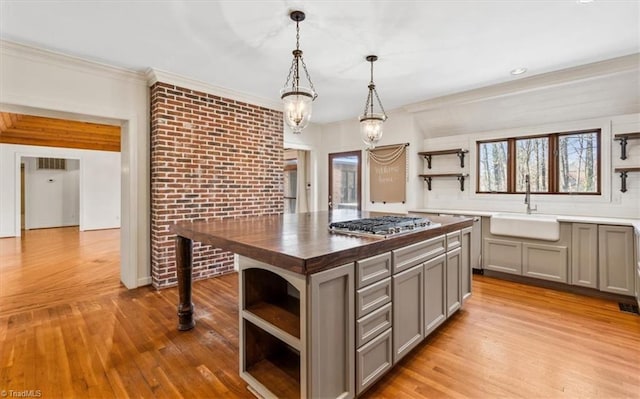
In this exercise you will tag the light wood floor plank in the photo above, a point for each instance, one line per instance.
(68, 328)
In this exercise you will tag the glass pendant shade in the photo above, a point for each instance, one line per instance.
(371, 123)
(297, 107)
(371, 128)
(297, 100)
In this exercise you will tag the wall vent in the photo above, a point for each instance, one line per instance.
(52, 163)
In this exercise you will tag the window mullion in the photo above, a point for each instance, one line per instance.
(511, 166)
(553, 163)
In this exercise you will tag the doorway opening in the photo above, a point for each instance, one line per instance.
(345, 180)
(49, 192)
(296, 180)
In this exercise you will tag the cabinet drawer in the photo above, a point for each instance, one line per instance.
(454, 240)
(372, 361)
(409, 256)
(371, 270)
(372, 297)
(373, 324)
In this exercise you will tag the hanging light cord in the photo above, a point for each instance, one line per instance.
(294, 70)
(369, 103)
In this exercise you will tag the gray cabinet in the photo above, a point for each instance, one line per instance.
(503, 255)
(435, 302)
(615, 259)
(408, 311)
(584, 255)
(548, 262)
(373, 269)
(454, 283)
(373, 296)
(406, 257)
(476, 244)
(466, 272)
(373, 360)
(374, 310)
(332, 347)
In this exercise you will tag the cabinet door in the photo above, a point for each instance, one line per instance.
(502, 256)
(435, 290)
(466, 263)
(454, 283)
(584, 255)
(331, 313)
(615, 259)
(548, 262)
(373, 360)
(476, 244)
(408, 311)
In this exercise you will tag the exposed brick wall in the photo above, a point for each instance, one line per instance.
(211, 158)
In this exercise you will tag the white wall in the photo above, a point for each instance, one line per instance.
(98, 191)
(446, 194)
(589, 96)
(345, 136)
(52, 196)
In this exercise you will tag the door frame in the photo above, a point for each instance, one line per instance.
(356, 153)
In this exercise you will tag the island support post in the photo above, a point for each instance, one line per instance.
(184, 256)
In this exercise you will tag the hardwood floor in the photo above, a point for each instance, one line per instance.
(45, 267)
(96, 339)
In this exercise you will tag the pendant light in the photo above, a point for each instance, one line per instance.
(297, 99)
(370, 122)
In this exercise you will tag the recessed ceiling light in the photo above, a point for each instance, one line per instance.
(584, 1)
(518, 71)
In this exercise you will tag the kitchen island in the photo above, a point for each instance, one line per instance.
(323, 314)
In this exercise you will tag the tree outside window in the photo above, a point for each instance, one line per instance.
(532, 158)
(578, 163)
(556, 163)
(493, 166)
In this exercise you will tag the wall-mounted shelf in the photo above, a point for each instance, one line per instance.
(623, 138)
(459, 176)
(457, 151)
(623, 176)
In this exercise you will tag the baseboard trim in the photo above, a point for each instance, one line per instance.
(560, 286)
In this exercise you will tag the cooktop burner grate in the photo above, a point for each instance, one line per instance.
(381, 226)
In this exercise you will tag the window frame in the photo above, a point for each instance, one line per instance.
(552, 166)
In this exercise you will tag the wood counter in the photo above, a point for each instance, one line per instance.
(302, 243)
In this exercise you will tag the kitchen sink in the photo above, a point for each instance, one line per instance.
(540, 227)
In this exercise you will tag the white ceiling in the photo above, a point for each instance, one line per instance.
(426, 49)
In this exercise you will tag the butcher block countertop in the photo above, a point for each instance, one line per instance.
(302, 242)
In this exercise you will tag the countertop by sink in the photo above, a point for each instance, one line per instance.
(561, 218)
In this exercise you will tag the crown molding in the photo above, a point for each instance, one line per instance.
(50, 57)
(154, 75)
(598, 70)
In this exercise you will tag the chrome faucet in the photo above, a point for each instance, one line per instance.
(527, 195)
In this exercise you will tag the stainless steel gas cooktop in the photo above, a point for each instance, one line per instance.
(382, 226)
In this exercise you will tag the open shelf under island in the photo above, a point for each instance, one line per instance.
(326, 315)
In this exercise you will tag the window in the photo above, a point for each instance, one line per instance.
(556, 163)
(532, 158)
(578, 163)
(493, 166)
